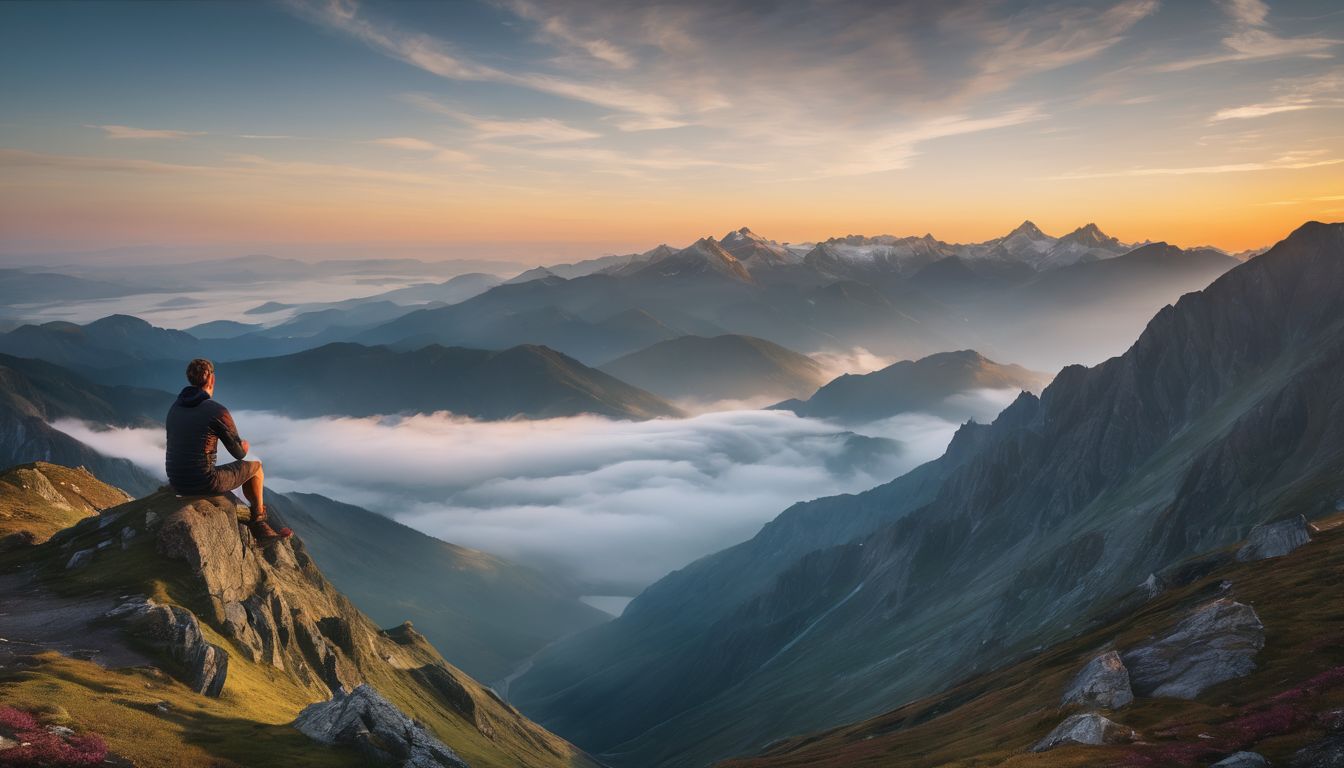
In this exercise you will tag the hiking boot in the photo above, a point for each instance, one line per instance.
(263, 532)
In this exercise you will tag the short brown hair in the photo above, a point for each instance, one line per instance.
(199, 371)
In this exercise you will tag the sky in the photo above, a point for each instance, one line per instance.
(573, 128)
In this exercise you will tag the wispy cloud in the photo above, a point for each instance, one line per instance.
(894, 150)
(1291, 161)
(406, 142)
(1253, 38)
(1320, 92)
(539, 129)
(437, 57)
(131, 132)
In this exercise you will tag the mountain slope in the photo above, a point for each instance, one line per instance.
(34, 393)
(1225, 412)
(354, 380)
(484, 613)
(343, 378)
(1276, 710)
(260, 635)
(914, 385)
(728, 367)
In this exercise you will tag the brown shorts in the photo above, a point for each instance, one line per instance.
(232, 475)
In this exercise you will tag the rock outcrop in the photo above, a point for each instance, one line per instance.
(1086, 728)
(175, 631)
(365, 720)
(1103, 683)
(1326, 753)
(1274, 539)
(1242, 760)
(1218, 641)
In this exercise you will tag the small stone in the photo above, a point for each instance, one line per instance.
(1088, 728)
(104, 544)
(80, 559)
(61, 730)
(150, 517)
(1242, 760)
(1104, 683)
(367, 721)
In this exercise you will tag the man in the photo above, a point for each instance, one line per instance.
(196, 426)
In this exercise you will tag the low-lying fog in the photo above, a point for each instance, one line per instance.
(617, 504)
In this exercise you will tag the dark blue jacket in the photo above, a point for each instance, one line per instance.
(196, 426)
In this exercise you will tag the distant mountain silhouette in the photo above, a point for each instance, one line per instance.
(355, 380)
(729, 367)
(914, 385)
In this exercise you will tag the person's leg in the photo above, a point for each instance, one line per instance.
(252, 489)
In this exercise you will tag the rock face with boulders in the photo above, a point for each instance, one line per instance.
(1104, 683)
(365, 720)
(176, 631)
(1087, 728)
(1274, 539)
(1218, 641)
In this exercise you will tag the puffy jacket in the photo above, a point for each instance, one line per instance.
(196, 426)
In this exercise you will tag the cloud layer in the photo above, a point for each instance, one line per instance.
(617, 504)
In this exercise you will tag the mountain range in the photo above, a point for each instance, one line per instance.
(1223, 414)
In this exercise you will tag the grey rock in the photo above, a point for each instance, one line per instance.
(1218, 641)
(1151, 586)
(1274, 539)
(80, 559)
(104, 544)
(1326, 753)
(61, 730)
(367, 721)
(1087, 728)
(1242, 760)
(176, 631)
(1104, 683)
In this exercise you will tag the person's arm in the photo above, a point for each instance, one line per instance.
(227, 432)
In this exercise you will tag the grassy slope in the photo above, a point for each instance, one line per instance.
(992, 719)
(247, 725)
(41, 499)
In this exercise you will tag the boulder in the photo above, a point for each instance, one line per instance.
(1326, 753)
(175, 631)
(1274, 539)
(80, 559)
(1086, 728)
(1103, 683)
(1242, 760)
(365, 720)
(1218, 641)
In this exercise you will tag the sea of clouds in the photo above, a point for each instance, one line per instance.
(616, 504)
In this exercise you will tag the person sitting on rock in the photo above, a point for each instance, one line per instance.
(196, 426)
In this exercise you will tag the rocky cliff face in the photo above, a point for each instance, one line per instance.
(1226, 412)
(223, 613)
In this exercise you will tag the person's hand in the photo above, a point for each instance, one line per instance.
(246, 448)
